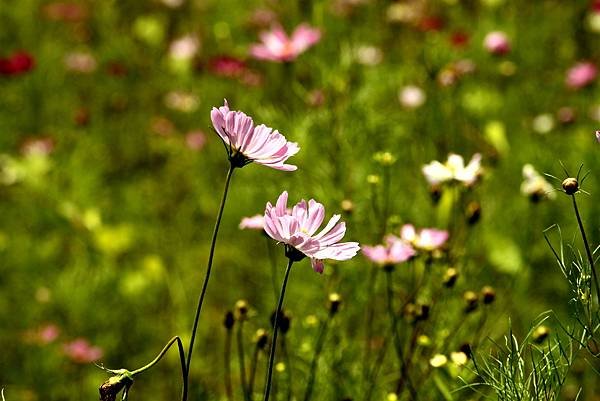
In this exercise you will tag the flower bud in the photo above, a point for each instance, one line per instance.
(229, 320)
(488, 294)
(435, 192)
(261, 338)
(471, 300)
(241, 309)
(540, 334)
(473, 212)
(450, 277)
(335, 301)
(110, 388)
(283, 323)
(570, 185)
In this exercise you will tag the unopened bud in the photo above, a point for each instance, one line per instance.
(471, 301)
(335, 301)
(110, 388)
(488, 294)
(261, 338)
(540, 334)
(241, 309)
(450, 277)
(473, 212)
(229, 320)
(570, 185)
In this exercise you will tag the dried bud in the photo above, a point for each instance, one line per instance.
(261, 338)
(335, 301)
(540, 334)
(570, 185)
(471, 301)
(473, 212)
(283, 323)
(450, 277)
(488, 294)
(241, 309)
(229, 320)
(110, 388)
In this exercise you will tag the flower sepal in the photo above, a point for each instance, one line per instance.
(293, 254)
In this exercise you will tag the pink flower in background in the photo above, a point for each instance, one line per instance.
(37, 146)
(184, 48)
(195, 140)
(81, 351)
(496, 43)
(43, 335)
(80, 62)
(253, 223)
(427, 239)
(598, 135)
(278, 46)
(581, 74)
(17, 63)
(249, 143)
(394, 251)
(227, 66)
(297, 228)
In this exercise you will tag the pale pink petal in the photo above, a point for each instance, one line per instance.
(408, 233)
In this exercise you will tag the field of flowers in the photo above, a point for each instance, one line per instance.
(299, 200)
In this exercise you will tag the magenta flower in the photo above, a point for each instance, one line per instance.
(581, 74)
(248, 143)
(496, 43)
(253, 223)
(427, 239)
(81, 351)
(279, 47)
(297, 229)
(394, 251)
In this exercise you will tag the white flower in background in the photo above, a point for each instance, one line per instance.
(411, 97)
(543, 123)
(535, 185)
(454, 170)
(184, 48)
(368, 55)
(181, 101)
(81, 62)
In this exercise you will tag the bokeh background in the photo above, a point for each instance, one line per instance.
(111, 175)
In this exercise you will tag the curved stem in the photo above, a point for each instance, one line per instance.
(206, 277)
(275, 330)
(315, 360)
(587, 247)
(240, 346)
(228, 387)
(159, 357)
(397, 342)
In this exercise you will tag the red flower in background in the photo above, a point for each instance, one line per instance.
(227, 66)
(431, 24)
(459, 39)
(65, 11)
(18, 63)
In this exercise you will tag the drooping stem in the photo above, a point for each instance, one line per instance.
(396, 338)
(587, 247)
(315, 359)
(240, 346)
(275, 330)
(227, 354)
(206, 277)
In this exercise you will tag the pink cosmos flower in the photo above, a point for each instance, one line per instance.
(195, 140)
(81, 351)
(297, 229)
(427, 239)
(253, 223)
(248, 143)
(581, 75)
(279, 47)
(394, 251)
(496, 43)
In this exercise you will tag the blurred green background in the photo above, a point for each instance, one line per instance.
(110, 173)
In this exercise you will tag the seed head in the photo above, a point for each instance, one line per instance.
(540, 334)
(450, 277)
(570, 185)
(488, 295)
(241, 309)
(261, 338)
(335, 300)
(473, 212)
(471, 300)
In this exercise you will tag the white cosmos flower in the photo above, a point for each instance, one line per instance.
(453, 170)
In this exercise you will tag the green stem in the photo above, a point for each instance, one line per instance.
(397, 343)
(276, 329)
(587, 247)
(315, 360)
(288, 362)
(240, 345)
(273, 266)
(228, 387)
(253, 365)
(206, 277)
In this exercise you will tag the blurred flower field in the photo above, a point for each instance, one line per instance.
(446, 226)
